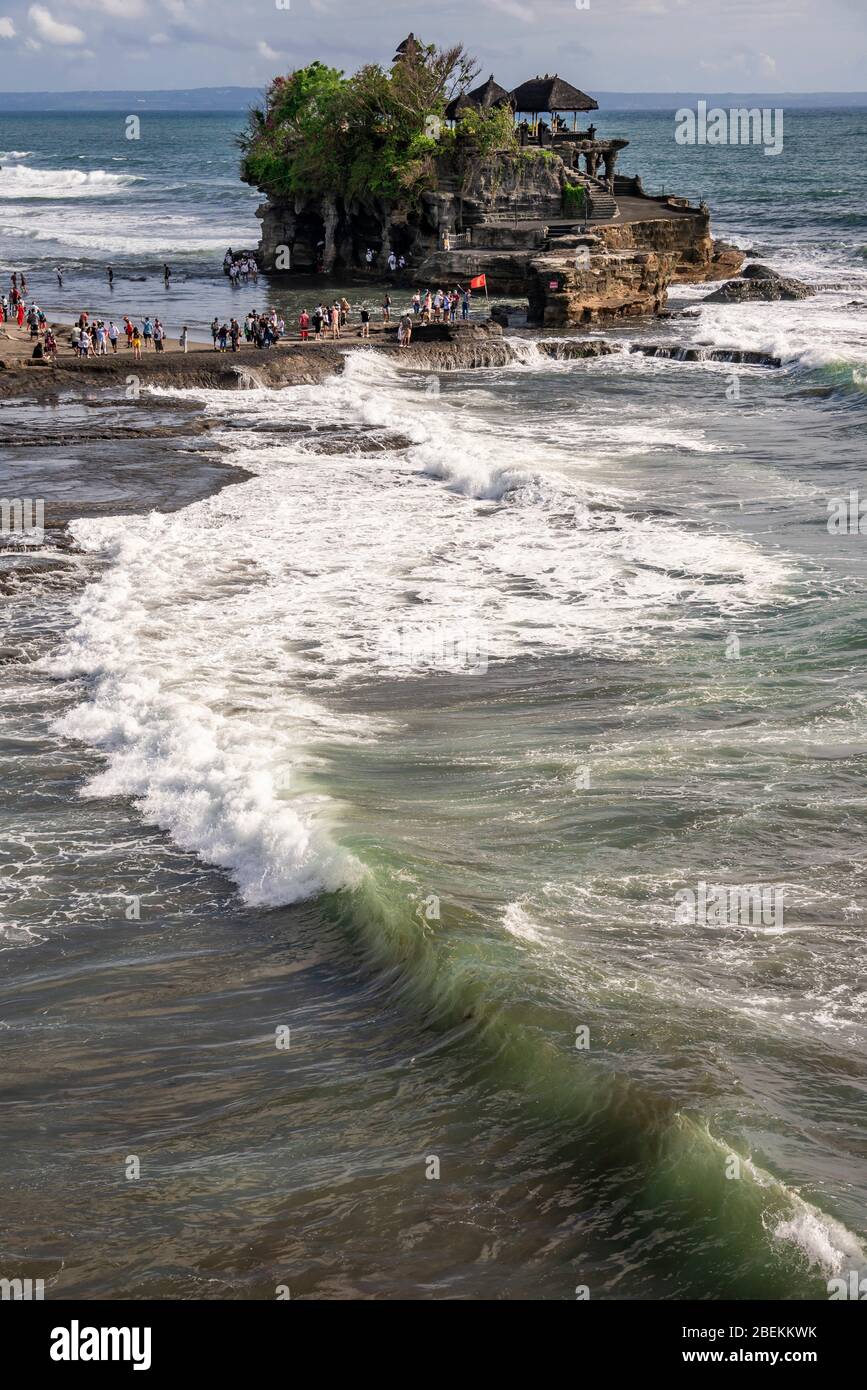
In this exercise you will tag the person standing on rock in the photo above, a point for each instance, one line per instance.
(136, 344)
(183, 338)
(304, 325)
(404, 331)
(215, 330)
(386, 308)
(112, 335)
(365, 321)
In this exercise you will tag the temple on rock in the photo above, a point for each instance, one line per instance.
(521, 191)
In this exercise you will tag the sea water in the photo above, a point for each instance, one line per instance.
(346, 808)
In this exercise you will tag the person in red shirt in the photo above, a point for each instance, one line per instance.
(304, 324)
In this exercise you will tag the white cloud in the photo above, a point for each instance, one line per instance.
(51, 30)
(7, 28)
(158, 39)
(513, 8)
(266, 51)
(118, 9)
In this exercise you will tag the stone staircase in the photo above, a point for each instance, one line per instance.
(565, 231)
(603, 206)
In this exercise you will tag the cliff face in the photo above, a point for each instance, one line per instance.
(504, 204)
(300, 233)
(616, 285)
(625, 269)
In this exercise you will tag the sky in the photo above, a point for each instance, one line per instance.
(603, 45)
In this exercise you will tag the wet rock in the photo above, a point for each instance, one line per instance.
(740, 356)
(760, 289)
(756, 271)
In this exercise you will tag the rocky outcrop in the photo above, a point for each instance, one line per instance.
(501, 188)
(613, 285)
(520, 230)
(615, 271)
(760, 284)
(672, 229)
(745, 357)
(292, 365)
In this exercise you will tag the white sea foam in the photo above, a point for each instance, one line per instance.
(818, 332)
(211, 746)
(214, 634)
(518, 923)
(21, 181)
(822, 1240)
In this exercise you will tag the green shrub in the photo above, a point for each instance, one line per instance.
(574, 195)
(321, 133)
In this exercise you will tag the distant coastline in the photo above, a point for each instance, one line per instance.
(226, 99)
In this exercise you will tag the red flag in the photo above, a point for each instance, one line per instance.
(479, 283)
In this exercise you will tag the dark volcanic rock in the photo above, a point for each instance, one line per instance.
(741, 356)
(760, 289)
(759, 272)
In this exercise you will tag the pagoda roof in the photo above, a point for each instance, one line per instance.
(551, 94)
(489, 94)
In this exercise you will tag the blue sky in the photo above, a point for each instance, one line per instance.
(619, 45)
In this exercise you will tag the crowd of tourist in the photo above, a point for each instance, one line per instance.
(258, 330)
(99, 337)
(240, 268)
